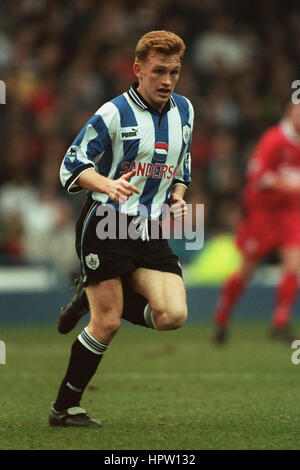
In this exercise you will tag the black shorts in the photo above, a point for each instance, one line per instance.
(108, 258)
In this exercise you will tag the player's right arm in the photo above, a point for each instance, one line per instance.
(78, 169)
(118, 190)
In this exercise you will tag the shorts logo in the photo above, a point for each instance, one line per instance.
(92, 261)
(186, 132)
(129, 133)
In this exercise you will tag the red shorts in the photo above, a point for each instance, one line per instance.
(263, 231)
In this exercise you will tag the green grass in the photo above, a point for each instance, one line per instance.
(156, 390)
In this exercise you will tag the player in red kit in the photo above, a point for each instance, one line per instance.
(271, 224)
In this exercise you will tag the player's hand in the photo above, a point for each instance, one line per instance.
(178, 206)
(121, 189)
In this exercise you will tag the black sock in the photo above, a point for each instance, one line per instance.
(86, 354)
(134, 307)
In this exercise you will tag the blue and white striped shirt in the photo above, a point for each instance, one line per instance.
(125, 134)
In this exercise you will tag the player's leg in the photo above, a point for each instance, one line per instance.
(287, 288)
(133, 307)
(165, 293)
(106, 304)
(229, 295)
(253, 241)
(78, 306)
(134, 304)
(286, 293)
(72, 312)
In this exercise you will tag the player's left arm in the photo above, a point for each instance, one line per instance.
(183, 173)
(177, 203)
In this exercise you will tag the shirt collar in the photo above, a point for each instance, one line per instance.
(142, 103)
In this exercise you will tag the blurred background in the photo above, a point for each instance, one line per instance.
(61, 61)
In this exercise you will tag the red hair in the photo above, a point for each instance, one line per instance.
(161, 41)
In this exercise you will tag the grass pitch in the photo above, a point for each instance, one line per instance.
(155, 390)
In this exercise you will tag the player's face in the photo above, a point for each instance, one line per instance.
(294, 116)
(157, 77)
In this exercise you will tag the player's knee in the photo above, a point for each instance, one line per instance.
(113, 325)
(180, 318)
(171, 319)
(106, 327)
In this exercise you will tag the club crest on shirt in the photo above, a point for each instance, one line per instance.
(92, 261)
(186, 132)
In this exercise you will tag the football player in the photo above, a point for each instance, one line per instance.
(271, 223)
(131, 157)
